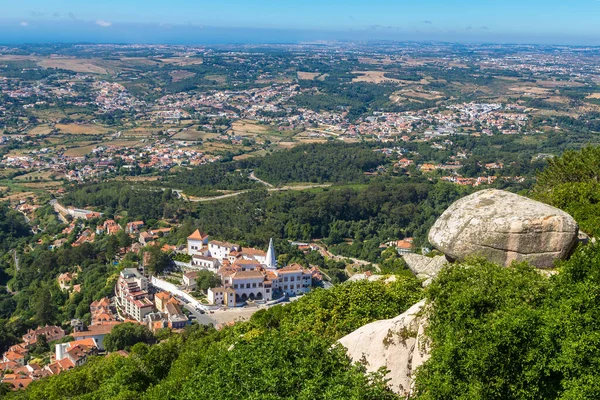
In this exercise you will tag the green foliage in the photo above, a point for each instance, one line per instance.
(573, 166)
(41, 346)
(338, 311)
(124, 336)
(381, 211)
(329, 162)
(207, 279)
(159, 260)
(276, 366)
(186, 258)
(45, 310)
(511, 333)
(571, 182)
(38, 299)
(392, 263)
(283, 352)
(485, 330)
(13, 228)
(140, 203)
(208, 178)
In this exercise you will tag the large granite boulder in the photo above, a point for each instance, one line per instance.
(399, 344)
(504, 227)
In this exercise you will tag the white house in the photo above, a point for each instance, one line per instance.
(204, 262)
(189, 279)
(294, 279)
(220, 250)
(96, 332)
(221, 295)
(77, 351)
(195, 242)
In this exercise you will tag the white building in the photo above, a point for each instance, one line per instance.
(189, 280)
(294, 279)
(195, 242)
(97, 332)
(76, 352)
(254, 254)
(221, 295)
(249, 285)
(204, 262)
(220, 250)
(132, 295)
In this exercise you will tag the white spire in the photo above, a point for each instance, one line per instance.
(271, 260)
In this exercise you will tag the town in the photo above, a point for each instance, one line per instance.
(114, 128)
(241, 277)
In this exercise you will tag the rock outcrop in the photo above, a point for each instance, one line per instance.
(425, 268)
(398, 344)
(372, 278)
(504, 227)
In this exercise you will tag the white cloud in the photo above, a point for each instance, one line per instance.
(103, 23)
(24, 23)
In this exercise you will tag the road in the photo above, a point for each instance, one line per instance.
(254, 178)
(326, 254)
(203, 319)
(220, 317)
(271, 188)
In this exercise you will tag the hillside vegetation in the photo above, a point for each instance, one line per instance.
(511, 333)
(285, 352)
(572, 183)
(496, 333)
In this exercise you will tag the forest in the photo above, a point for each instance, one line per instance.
(319, 163)
(354, 220)
(135, 201)
(368, 215)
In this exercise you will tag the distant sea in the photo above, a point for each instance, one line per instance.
(19, 32)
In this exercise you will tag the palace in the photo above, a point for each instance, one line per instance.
(246, 273)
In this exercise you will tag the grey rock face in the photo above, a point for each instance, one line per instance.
(423, 267)
(504, 227)
(399, 344)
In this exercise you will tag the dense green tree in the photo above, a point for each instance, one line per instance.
(513, 333)
(275, 366)
(571, 182)
(124, 336)
(45, 311)
(41, 346)
(207, 279)
(159, 260)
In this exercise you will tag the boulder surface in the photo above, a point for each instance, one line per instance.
(423, 267)
(398, 344)
(504, 227)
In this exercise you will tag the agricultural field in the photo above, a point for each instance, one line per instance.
(40, 130)
(75, 65)
(373, 77)
(83, 129)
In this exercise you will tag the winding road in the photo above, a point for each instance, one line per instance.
(253, 177)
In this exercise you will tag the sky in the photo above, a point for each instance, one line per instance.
(290, 21)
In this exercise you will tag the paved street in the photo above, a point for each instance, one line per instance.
(223, 316)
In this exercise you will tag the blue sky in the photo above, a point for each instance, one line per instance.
(197, 21)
